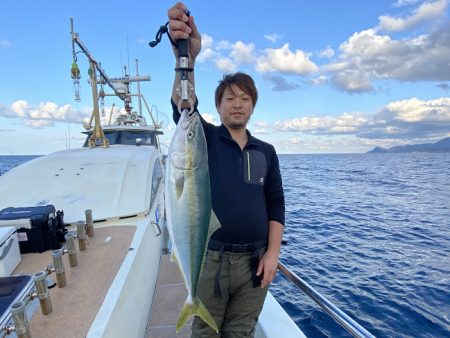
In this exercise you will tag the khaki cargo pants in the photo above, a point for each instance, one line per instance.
(236, 312)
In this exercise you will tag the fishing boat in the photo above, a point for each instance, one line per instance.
(108, 195)
(117, 179)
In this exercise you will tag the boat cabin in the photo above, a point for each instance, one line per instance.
(128, 135)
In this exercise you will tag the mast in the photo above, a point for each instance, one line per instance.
(98, 137)
(139, 90)
(121, 88)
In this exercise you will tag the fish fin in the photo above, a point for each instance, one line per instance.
(196, 308)
(214, 223)
(179, 186)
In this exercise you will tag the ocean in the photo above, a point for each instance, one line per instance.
(371, 232)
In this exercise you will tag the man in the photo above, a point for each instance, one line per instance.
(247, 197)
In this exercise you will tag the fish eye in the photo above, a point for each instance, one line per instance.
(190, 134)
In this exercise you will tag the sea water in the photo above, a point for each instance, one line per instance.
(371, 232)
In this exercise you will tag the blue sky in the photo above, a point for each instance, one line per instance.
(333, 76)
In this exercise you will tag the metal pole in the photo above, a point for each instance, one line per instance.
(89, 223)
(71, 250)
(19, 315)
(139, 90)
(42, 292)
(60, 270)
(81, 232)
(98, 137)
(355, 329)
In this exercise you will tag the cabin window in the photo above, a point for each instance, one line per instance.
(128, 137)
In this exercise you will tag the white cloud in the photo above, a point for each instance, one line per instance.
(273, 37)
(425, 12)
(260, 128)
(45, 114)
(225, 64)
(362, 63)
(320, 80)
(367, 56)
(5, 43)
(352, 81)
(401, 3)
(326, 53)
(207, 41)
(19, 108)
(206, 54)
(344, 124)
(239, 53)
(223, 44)
(415, 110)
(285, 61)
(404, 119)
(39, 123)
(242, 53)
(261, 131)
(211, 118)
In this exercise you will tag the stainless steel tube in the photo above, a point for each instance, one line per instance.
(19, 315)
(355, 329)
(89, 223)
(71, 250)
(81, 233)
(60, 271)
(42, 292)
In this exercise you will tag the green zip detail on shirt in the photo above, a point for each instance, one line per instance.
(248, 165)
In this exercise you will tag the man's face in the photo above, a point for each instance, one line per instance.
(235, 108)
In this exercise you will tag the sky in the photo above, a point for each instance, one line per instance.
(332, 76)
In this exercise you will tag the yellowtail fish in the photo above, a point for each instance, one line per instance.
(190, 219)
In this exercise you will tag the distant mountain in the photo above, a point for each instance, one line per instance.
(442, 146)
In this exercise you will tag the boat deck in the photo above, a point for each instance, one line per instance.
(87, 284)
(169, 298)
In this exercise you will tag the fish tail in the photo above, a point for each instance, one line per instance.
(196, 308)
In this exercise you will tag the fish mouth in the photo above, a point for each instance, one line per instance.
(187, 121)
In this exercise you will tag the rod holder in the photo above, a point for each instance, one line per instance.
(19, 315)
(60, 271)
(89, 223)
(71, 250)
(81, 235)
(42, 292)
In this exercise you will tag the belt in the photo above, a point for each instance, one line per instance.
(235, 248)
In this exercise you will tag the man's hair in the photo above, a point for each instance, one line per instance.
(242, 81)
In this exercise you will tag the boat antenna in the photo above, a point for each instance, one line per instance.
(138, 90)
(128, 54)
(121, 62)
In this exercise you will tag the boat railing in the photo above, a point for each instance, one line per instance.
(355, 329)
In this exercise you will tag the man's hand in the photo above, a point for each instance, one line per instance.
(268, 265)
(182, 26)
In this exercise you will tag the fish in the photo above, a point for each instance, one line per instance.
(190, 218)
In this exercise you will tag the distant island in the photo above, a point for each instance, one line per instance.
(442, 146)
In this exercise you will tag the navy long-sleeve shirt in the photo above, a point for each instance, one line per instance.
(246, 186)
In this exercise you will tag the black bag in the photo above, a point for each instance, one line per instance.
(38, 228)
